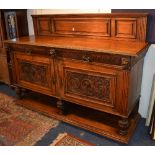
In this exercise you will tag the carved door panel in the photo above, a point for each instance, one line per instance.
(35, 73)
(89, 85)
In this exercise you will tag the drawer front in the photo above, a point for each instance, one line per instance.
(97, 27)
(112, 60)
(31, 50)
(35, 73)
(89, 86)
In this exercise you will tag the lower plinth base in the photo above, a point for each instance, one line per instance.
(92, 120)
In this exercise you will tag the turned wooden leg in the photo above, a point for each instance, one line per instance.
(18, 92)
(23, 91)
(61, 107)
(123, 126)
(136, 108)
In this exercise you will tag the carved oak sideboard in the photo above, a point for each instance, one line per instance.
(90, 63)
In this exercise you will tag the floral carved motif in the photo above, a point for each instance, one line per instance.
(88, 85)
(33, 73)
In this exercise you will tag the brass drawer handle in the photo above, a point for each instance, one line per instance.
(86, 58)
(53, 52)
(28, 52)
(8, 49)
(125, 61)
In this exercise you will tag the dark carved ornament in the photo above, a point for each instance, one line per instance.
(88, 85)
(33, 73)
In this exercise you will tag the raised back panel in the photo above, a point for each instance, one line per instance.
(99, 27)
(126, 28)
(109, 26)
(44, 26)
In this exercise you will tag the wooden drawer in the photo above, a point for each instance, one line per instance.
(98, 27)
(111, 60)
(31, 50)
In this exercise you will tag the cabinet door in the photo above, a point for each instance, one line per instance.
(89, 85)
(35, 73)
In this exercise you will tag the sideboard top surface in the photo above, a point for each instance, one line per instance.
(129, 48)
(123, 34)
(93, 15)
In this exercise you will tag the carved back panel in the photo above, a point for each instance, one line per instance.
(109, 26)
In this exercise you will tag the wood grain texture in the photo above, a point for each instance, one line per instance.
(109, 26)
(4, 73)
(125, 28)
(99, 27)
(150, 21)
(1, 35)
(44, 26)
(129, 48)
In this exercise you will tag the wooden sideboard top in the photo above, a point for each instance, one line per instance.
(130, 48)
(93, 15)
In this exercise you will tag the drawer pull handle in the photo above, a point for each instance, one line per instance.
(54, 80)
(125, 61)
(86, 58)
(28, 52)
(8, 49)
(53, 52)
